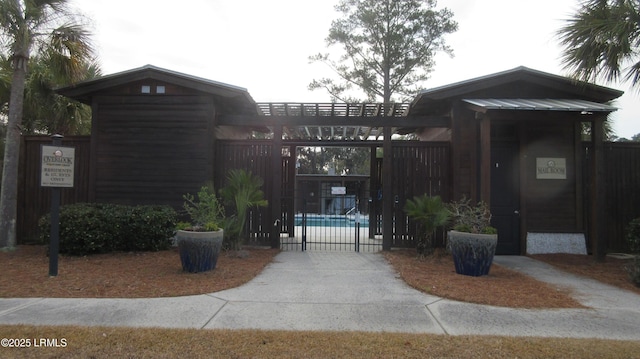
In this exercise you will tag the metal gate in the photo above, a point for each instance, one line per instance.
(337, 213)
(331, 214)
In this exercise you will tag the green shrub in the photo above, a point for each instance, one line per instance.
(633, 269)
(633, 235)
(471, 218)
(150, 228)
(181, 226)
(83, 229)
(88, 228)
(204, 208)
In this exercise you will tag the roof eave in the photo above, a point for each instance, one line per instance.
(83, 91)
(601, 93)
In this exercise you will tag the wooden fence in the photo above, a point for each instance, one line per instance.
(34, 201)
(622, 191)
(622, 182)
(419, 168)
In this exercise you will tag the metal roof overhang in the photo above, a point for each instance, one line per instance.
(567, 105)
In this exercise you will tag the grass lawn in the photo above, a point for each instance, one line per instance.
(99, 342)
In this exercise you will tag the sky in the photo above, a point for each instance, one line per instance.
(264, 45)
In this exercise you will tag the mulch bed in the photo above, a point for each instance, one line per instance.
(612, 271)
(25, 273)
(503, 287)
(159, 274)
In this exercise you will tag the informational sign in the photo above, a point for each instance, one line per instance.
(338, 190)
(58, 165)
(551, 168)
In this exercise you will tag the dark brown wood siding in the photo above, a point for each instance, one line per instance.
(622, 191)
(151, 149)
(551, 204)
(464, 152)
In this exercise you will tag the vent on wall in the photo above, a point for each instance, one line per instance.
(146, 89)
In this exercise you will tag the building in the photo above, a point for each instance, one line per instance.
(512, 139)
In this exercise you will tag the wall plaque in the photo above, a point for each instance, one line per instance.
(551, 168)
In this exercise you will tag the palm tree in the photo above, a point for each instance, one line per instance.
(430, 213)
(47, 112)
(241, 193)
(45, 27)
(44, 111)
(602, 40)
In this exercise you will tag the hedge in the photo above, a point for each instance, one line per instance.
(88, 228)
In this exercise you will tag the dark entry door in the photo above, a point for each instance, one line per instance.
(505, 195)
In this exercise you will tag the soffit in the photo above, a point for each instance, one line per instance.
(520, 104)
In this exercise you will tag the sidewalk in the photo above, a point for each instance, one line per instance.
(347, 291)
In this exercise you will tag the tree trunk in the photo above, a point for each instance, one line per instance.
(9, 190)
(386, 97)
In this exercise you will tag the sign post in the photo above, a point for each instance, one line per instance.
(57, 171)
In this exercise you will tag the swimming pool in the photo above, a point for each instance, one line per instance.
(318, 220)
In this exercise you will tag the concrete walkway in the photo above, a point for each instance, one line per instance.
(347, 291)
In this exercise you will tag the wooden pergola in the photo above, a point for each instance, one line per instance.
(318, 124)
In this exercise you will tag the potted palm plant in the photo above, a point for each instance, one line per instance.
(430, 213)
(200, 241)
(473, 240)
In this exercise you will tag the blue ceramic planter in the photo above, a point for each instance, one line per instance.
(472, 253)
(199, 251)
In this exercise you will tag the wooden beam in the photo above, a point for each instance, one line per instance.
(578, 158)
(276, 187)
(597, 237)
(373, 195)
(485, 160)
(523, 185)
(368, 133)
(371, 121)
(387, 191)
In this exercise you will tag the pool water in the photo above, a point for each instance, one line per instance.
(314, 220)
